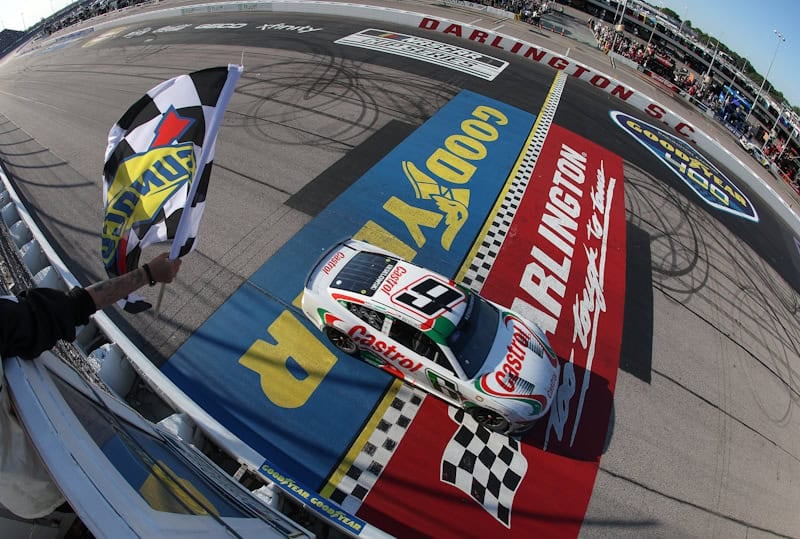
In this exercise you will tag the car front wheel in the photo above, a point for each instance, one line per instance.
(491, 420)
(341, 340)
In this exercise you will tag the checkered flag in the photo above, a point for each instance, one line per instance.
(157, 166)
(487, 466)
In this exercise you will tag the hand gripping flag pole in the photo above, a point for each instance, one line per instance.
(157, 168)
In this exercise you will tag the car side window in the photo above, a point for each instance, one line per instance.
(442, 360)
(403, 333)
(373, 318)
(417, 341)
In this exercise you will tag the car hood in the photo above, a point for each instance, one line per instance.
(521, 368)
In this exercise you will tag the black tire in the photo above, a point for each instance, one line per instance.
(490, 420)
(341, 341)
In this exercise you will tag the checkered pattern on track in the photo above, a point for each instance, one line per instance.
(490, 246)
(487, 466)
(375, 455)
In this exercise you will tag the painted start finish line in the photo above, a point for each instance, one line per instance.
(263, 371)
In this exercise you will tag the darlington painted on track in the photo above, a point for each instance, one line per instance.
(433, 333)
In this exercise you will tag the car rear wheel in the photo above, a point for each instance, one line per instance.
(491, 420)
(341, 340)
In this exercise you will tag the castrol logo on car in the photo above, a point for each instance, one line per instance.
(393, 279)
(507, 380)
(330, 264)
(389, 351)
(507, 374)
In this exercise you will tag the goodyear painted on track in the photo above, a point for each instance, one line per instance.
(258, 367)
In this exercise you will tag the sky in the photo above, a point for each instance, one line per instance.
(745, 26)
(19, 14)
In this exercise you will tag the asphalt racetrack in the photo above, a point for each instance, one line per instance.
(678, 304)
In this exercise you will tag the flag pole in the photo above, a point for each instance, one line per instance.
(182, 231)
(158, 301)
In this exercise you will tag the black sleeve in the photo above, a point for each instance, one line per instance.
(39, 318)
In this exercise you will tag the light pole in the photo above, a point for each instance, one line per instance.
(781, 39)
(655, 23)
(653, 31)
(716, 48)
(621, 23)
(741, 71)
(685, 14)
(616, 13)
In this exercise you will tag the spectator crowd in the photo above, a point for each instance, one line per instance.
(725, 104)
(529, 11)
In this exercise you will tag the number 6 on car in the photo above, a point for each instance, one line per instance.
(433, 333)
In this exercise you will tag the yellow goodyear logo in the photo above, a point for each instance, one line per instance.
(141, 187)
(708, 182)
(445, 176)
(440, 179)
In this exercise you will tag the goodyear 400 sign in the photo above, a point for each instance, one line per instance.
(702, 177)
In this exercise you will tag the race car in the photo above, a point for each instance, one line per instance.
(762, 159)
(433, 333)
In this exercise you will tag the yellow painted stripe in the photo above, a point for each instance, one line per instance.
(501, 197)
(375, 234)
(361, 441)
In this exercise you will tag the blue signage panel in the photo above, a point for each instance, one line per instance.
(702, 177)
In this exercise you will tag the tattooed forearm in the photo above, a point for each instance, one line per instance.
(108, 292)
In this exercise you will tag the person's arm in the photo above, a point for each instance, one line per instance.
(35, 320)
(106, 293)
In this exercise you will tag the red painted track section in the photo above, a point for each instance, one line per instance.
(563, 265)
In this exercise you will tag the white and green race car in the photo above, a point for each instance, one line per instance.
(433, 333)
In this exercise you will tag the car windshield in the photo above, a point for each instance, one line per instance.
(474, 335)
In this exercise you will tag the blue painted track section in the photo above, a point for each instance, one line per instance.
(309, 441)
